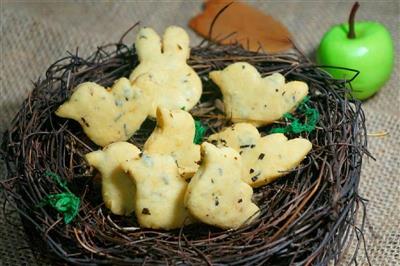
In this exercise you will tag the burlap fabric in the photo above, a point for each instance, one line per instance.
(35, 34)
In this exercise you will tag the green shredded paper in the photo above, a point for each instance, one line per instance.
(296, 126)
(199, 133)
(66, 203)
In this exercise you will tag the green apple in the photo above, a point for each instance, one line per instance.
(369, 50)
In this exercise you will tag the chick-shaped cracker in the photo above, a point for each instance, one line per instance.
(216, 194)
(250, 98)
(176, 84)
(264, 158)
(109, 115)
(174, 136)
(118, 189)
(159, 191)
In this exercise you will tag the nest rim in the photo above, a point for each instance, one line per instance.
(326, 201)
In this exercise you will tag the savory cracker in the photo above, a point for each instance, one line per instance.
(118, 189)
(109, 115)
(175, 83)
(216, 194)
(250, 98)
(264, 158)
(174, 136)
(159, 191)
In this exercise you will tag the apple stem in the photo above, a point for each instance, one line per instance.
(352, 32)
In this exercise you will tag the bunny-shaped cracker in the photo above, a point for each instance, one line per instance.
(174, 136)
(216, 194)
(250, 98)
(118, 189)
(159, 191)
(113, 114)
(176, 85)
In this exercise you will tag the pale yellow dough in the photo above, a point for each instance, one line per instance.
(118, 189)
(174, 136)
(264, 158)
(175, 83)
(250, 98)
(159, 192)
(216, 194)
(109, 115)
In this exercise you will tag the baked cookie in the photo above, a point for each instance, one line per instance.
(174, 136)
(109, 115)
(264, 158)
(176, 84)
(159, 191)
(250, 98)
(118, 189)
(216, 194)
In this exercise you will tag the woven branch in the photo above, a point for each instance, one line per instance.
(306, 217)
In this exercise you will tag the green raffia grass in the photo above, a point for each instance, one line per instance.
(66, 203)
(199, 133)
(295, 126)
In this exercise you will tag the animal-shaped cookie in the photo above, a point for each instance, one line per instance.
(109, 115)
(159, 191)
(174, 136)
(118, 189)
(176, 84)
(216, 194)
(264, 158)
(250, 98)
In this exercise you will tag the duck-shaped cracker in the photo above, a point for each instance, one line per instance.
(250, 98)
(264, 158)
(112, 114)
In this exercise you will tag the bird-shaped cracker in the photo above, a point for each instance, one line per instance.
(264, 158)
(250, 98)
(118, 189)
(174, 136)
(109, 115)
(176, 84)
(159, 191)
(216, 194)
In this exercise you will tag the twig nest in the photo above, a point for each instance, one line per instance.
(302, 219)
